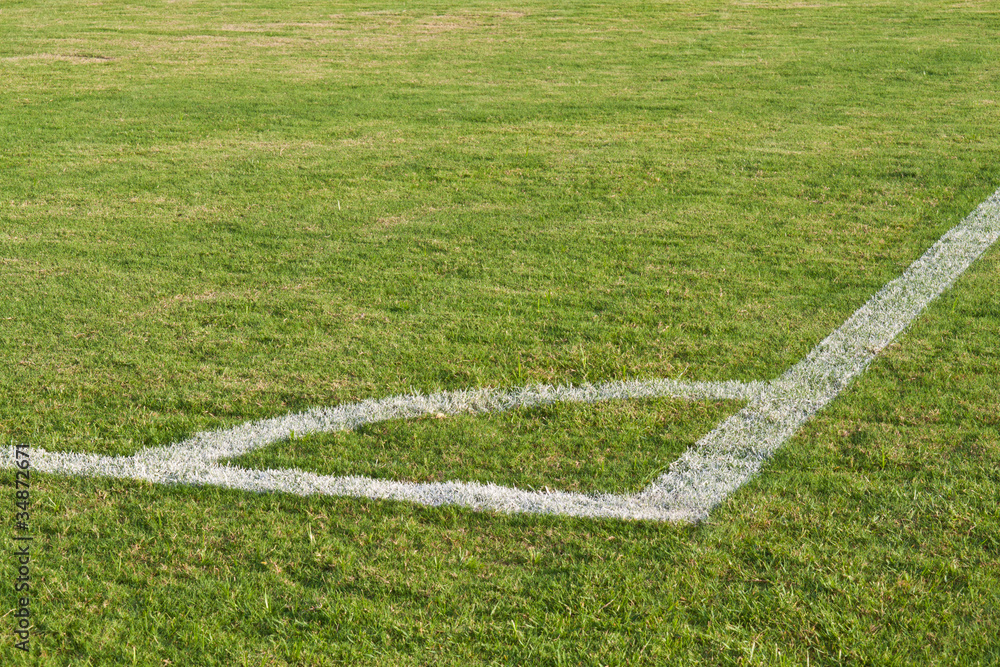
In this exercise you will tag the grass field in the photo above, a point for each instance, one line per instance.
(217, 212)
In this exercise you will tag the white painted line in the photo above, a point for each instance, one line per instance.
(699, 479)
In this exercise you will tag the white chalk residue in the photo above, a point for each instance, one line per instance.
(697, 481)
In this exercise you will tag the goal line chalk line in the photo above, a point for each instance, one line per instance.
(702, 477)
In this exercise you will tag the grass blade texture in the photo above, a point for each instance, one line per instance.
(217, 212)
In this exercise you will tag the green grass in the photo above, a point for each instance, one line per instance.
(216, 212)
(614, 447)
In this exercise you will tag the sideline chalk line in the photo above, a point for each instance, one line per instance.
(711, 469)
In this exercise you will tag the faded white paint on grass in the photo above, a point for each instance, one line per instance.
(699, 479)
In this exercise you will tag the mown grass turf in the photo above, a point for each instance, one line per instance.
(213, 213)
(614, 447)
